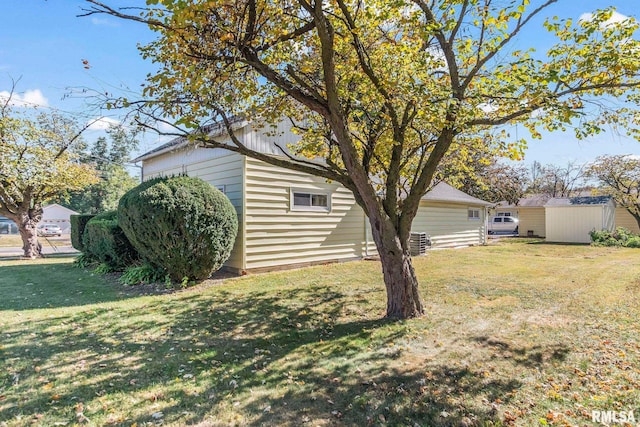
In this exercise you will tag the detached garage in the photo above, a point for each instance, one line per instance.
(570, 219)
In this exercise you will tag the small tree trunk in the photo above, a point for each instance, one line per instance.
(403, 299)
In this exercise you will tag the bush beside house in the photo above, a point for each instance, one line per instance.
(620, 237)
(180, 224)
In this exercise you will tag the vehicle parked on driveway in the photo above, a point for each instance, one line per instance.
(7, 226)
(503, 225)
(46, 230)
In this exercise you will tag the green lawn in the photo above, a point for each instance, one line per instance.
(15, 241)
(515, 334)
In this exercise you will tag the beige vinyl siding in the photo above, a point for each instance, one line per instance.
(275, 235)
(448, 224)
(572, 224)
(626, 220)
(531, 219)
(369, 245)
(217, 167)
(268, 139)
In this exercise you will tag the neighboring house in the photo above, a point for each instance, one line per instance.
(451, 217)
(56, 214)
(626, 220)
(570, 219)
(288, 218)
(531, 214)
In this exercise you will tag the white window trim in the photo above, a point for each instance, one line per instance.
(312, 192)
(222, 188)
(474, 218)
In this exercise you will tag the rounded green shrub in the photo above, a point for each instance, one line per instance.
(180, 224)
(104, 241)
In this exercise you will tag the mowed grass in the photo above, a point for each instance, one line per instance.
(15, 241)
(518, 333)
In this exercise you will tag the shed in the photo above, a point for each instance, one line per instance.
(289, 218)
(57, 214)
(570, 219)
(530, 212)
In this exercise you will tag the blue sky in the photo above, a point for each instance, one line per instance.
(44, 44)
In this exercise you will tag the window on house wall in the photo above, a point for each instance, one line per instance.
(504, 214)
(222, 188)
(310, 201)
(473, 213)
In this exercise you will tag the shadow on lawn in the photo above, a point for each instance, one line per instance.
(270, 358)
(530, 357)
(39, 285)
(36, 285)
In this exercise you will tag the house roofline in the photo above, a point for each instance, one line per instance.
(213, 130)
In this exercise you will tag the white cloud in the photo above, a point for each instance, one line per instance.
(616, 18)
(30, 98)
(104, 22)
(102, 123)
(487, 107)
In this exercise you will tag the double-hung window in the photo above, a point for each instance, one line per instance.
(473, 214)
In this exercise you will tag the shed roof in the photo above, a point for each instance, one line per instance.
(580, 201)
(443, 192)
(532, 201)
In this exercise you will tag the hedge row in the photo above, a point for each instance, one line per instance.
(179, 227)
(78, 224)
(104, 241)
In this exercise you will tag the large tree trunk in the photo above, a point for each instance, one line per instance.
(403, 299)
(27, 221)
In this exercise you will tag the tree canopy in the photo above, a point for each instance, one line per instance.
(109, 156)
(382, 92)
(38, 161)
(620, 176)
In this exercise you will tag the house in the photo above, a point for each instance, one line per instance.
(570, 219)
(626, 220)
(530, 212)
(289, 218)
(451, 217)
(57, 214)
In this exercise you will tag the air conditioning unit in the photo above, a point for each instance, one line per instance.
(418, 243)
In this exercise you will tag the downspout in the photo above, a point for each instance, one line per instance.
(486, 225)
(366, 235)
